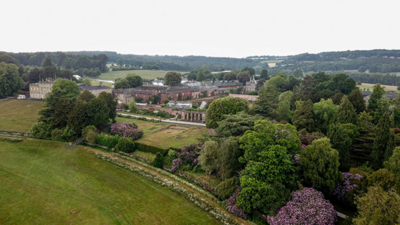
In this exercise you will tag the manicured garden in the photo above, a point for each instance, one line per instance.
(47, 182)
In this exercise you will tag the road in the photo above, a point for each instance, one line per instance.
(168, 121)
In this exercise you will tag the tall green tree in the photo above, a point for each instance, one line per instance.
(86, 96)
(121, 84)
(324, 111)
(98, 112)
(345, 113)
(298, 73)
(134, 80)
(250, 70)
(383, 143)
(285, 114)
(237, 124)
(87, 81)
(341, 141)
(172, 78)
(10, 81)
(111, 103)
(321, 166)
(303, 117)
(306, 86)
(243, 77)
(267, 101)
(357, 99)
(224, 106)
(230, 76)
(61, 112)
(35, 75)
(383, 107)
(377, 92)
(393, 165)
(77, 118)
(264, 74)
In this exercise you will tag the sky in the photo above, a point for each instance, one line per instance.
(208, 28)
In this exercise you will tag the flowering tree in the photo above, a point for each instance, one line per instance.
(190, 153)
(128, 130)
(176, 163)
(345, 186)
(308, 206)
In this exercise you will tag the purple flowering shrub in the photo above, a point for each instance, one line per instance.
(345, 186)
(128, 130)
(233, 208)
(176, 163)
(190, 153)
(307, 206)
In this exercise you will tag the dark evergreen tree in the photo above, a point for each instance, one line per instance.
(383, 143)
(61, 112)
(303, 117)
(264, 74)
(346, 113)
(306, 86)
(98, 112)
(357, 99)
(111, 103)
(340, 141)
(86, 96)
(77, 118)
(337, 98)
(158, 162)
(267, 101)
(172, 78)
(377, 93)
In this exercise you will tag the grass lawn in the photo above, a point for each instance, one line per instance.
(97, 83)
(175, 137)
(42, 182)
(19, 115)
(370, 87)
(145, 74)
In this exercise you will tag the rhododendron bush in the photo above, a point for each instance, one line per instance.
(345, 186)
(233, 208)
(307, 206)
(128, 130)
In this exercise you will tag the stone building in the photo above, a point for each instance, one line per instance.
(41, 89)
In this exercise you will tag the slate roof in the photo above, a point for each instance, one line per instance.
(221, 83)
(92, 88)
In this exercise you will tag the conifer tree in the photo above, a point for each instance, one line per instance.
(267, 101)
(356, 98)
(377, 94)
(77, 118)
(340, 141)
(383, 143)
(346, 113)
(307, 85)
(303, 117)
(61, 112)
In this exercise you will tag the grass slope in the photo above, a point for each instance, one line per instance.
(19, 115)
(43, 183)
(145, 74)
(166, 138)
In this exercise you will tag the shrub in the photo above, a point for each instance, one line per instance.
(176, 163)
(226, 188)
(41, 130)
(382, 178)
(56, 135)
(66, 134)
(87, 129)
(132, 106)
(126, 106)
(128, 130)
(307, 206)
(252, 92)
(108, 141)
(190, 153)
(91, 137)
(345, 186)
(125, 145)
(233, 208)
(158, 161)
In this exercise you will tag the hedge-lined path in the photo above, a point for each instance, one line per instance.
(205, 195)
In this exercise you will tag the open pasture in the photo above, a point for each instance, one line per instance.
(43, 182)
(370, 87)
(19, 115)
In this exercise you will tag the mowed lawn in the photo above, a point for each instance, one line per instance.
(169, 137)
(19, 115)
(42, 182)
(145, 74)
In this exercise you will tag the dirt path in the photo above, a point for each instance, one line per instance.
(210, 200)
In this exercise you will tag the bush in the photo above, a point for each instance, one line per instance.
(382, 178)
(307, 206)
(159, 161)
(190, 153)
(66, 134)
(91, 137)
(340, 192)
(226, 188)
(128, 130)
(176, 163)
(56, 135)
(132, 106)
(252, 92)
(233, 208)
(126, 106)
(41, 130)
(86, 130)
(108, 141)
(125, 145)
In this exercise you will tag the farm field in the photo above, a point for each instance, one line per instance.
(19, 115)
(145, 74)
(174, 136)
(370, 87)
(45, 183)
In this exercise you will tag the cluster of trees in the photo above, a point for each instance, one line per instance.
(10, 80)
(130, 81)
(243, 75)
(67, 112)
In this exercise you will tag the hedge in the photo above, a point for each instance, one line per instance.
(153, 149)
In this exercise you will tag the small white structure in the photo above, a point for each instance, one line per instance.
(203, 104)
(21, 97)
(180, 105)
(77, 76)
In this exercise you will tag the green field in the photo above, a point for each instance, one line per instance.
(97, 83)
(177, 136)
(145, 74)
(42, 182)
(370, 87)
(19, 115)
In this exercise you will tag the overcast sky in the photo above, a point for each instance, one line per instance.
(209, 28)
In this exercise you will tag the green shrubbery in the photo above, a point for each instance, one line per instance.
(108, 141)
(226, 188)
(125, 145)
(159, 161)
